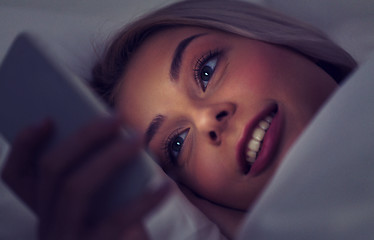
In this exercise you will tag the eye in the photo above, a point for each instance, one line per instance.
(175, 145)
(205, 68)
(207, 72)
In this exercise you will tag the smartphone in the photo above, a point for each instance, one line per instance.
(33, 86)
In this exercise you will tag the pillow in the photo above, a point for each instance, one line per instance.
(349, 23)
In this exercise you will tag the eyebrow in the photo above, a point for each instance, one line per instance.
(153, 127)
(178, 54)
(158, 120)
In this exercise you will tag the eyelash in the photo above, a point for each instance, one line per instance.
(168, 145)
(200, 63)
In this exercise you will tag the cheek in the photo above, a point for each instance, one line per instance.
(211, 177)
(305, 89)
(209, 173)
(252, 78)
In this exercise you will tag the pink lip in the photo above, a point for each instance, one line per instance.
(269, 144)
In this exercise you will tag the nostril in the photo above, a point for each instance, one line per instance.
(221, 115)
(212, 135)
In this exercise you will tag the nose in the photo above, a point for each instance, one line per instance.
(214, 120)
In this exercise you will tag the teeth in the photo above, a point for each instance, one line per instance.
(269, 119)
(258, 134)
(254, 145)
(264, 125)
(251, 160)
(251, 154)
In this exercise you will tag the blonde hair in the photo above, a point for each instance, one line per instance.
(237, 17)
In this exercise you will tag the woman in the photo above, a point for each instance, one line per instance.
(223, 89)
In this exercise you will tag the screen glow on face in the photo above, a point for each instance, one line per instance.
(199, 98)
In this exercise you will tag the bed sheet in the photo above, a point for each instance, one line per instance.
(324, 188)
(78, 30)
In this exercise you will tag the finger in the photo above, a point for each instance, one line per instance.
(136, 231)
(79, 188)
(126, 222)
(72, 202)
(27, 143)
(73, 151)
(19, 171)
(75, 147)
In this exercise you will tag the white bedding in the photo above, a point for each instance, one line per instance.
(77, 30)
(324, 188)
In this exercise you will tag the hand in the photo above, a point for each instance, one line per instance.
(58, 184)
(19, 171)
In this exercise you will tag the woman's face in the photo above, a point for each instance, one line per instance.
(218, 110)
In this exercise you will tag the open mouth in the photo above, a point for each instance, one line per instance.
(255, 143)
(258, 144)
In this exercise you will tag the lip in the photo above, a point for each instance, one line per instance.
(269, 144)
